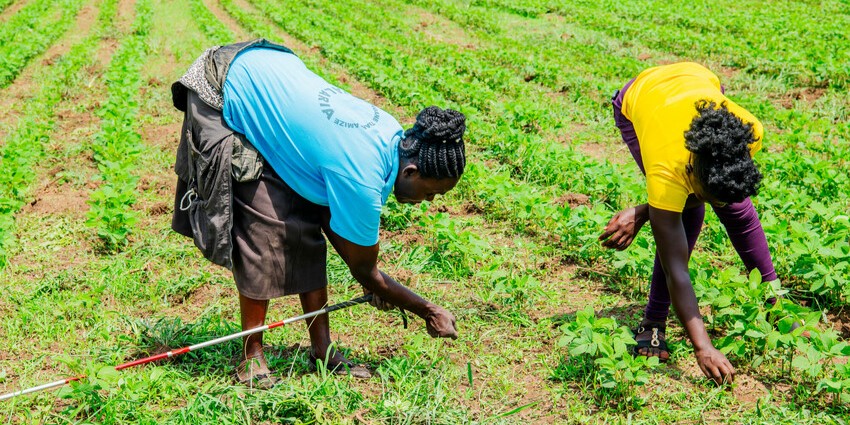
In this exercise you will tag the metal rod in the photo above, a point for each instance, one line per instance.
(184, 350)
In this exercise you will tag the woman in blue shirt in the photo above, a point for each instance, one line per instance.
(330, 162)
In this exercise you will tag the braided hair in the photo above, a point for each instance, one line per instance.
(720, 142)
(435, 143)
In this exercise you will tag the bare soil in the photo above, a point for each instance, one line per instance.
(26, 84)
(807, 95)
(442, 30)
(227, 20)
(573, 200)
(126, 14)
(12, 9)
(841, 322)
(53, 199)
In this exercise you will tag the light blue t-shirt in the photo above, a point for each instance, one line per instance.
(330, 147)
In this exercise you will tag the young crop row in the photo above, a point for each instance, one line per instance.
(214, 29)
(30, 31)
(715, 30)
(422, 76)
(5, 3)
(757, 333)
(600, 358)
(117, 146)
(24, 147)
(808, 232)
(559, 56)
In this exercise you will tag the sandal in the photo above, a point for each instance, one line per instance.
(342, 368)
(657, 340)
(254, 372)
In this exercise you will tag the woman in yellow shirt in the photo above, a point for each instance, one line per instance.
(695, 146)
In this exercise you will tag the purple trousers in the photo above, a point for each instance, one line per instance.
(740, 220)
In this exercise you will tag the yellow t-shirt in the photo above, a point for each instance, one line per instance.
(661, 105)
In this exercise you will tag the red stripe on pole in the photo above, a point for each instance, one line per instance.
(183, 350)
(142, 361)
(277, 324)
(153, 358)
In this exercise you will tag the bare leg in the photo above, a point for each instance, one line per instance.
(253, 314)
(253, 370)
(319, 327)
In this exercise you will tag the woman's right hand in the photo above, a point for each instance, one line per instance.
(715, 365)
(378, 302)
(440, 323)
(672, 249)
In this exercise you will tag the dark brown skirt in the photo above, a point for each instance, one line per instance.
(278, 245)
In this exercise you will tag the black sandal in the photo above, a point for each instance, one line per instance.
(658, 339)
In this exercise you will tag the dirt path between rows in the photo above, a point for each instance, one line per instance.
(12, 9)
(77, 125)
(357, 88)
(215, 8)
(25, 86)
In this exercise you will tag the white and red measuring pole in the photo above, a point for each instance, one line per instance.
(184, 350)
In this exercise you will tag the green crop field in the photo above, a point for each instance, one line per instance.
(92, 276)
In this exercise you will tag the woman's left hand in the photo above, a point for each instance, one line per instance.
(622, 229)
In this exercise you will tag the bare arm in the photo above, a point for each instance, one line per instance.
(672, 246)
(362, 261)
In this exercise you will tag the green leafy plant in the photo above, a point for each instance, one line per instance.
(31, 31)
(600, 357)
(118, 144)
